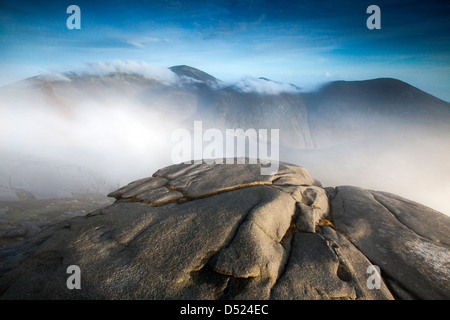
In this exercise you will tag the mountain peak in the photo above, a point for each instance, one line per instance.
(196, 74)
(379, 88)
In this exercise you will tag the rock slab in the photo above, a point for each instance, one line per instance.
(218, 231)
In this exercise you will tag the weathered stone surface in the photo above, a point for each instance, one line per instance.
(149, 185)
(326, 266)
(223, 177)
(413, 254)
(204, 231)
(133, 250)
(311, 272)
(426, 222)
(306, 220)
(353, 266)
(256, 251)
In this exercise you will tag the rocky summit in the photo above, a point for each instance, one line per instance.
(220, 231)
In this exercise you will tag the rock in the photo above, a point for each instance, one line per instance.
(408, 241)
(329, 269)
(306, 221)
(25, 230)
(314, 207)
(219, 231)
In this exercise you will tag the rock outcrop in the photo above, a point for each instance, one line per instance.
(200, 231)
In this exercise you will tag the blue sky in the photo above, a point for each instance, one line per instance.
(301, 42)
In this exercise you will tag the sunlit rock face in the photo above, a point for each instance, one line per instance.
(224, 231)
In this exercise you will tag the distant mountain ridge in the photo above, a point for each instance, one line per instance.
(196, 74)
(339, 111)
(385, 91)
(385, 124)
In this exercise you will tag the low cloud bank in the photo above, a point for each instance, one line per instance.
(122, 135)
(143, 69)
(168, 77)
(264, 86)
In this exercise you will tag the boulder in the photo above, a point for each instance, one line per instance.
(224, 231)
(408, 241)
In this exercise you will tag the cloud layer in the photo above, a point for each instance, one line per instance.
(143, 69)
(264, 86)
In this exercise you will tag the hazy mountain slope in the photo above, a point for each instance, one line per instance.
(353, 110)
(382, 134)
(230, 108)
(198, 75)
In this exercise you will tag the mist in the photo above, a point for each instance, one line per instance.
(114, 137)
(109, 124)
(415, 170)
(104, 137)
(265, 86)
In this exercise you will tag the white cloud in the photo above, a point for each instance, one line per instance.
(161, 74)
(141, 42)
(263, 86)
(55, 76)
(133, 67)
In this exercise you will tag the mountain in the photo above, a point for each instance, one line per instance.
(338, 112)
(225, 231)
(355, 109)
(198, 75)
(380, 134)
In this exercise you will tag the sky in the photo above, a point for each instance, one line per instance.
(301, 42)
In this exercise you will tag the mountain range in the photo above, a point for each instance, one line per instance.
(382, 133)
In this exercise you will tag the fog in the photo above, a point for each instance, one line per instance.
(120, 137)
(418, 170)
(119, 140)
(163, 75)
(264, 86)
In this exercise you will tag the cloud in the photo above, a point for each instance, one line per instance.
(141, 42)
(112, 132)
(143, 69)
(161, 74)
(152, 72)
(55, 76)
(265, 86)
